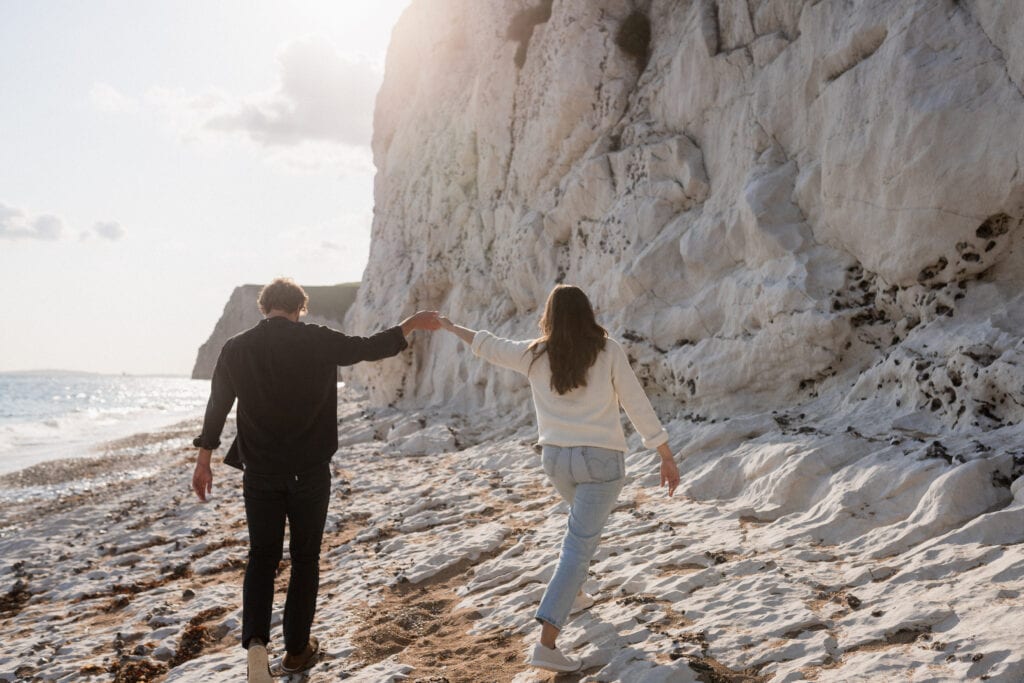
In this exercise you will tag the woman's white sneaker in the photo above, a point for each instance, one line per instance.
(552, 659)
(583, 601)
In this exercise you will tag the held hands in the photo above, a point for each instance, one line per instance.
(422, 320)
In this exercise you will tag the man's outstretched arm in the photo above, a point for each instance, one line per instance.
(346, 350)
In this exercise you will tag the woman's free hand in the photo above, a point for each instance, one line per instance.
(669, 471)
(669, 476)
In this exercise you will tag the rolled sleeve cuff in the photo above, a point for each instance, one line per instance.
(202, 442)
(401, 343)
(656, 440)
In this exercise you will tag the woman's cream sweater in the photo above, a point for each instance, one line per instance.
(585, 416)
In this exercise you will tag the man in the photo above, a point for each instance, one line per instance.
(284, 375)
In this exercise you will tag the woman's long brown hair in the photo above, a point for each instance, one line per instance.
(570, 337)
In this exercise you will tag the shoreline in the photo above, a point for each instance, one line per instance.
(99, 458)
(61, 483)
(439, 542)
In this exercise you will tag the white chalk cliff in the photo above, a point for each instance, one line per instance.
(775, 203)
(804, 220)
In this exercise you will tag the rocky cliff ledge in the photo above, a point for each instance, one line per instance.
(327, 306)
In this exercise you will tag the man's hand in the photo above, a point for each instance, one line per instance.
(422, 320)
(202, 476)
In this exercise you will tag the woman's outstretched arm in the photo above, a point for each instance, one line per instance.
(507, 353)
(463, 333)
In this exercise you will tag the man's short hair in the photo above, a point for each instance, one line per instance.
(283, 295)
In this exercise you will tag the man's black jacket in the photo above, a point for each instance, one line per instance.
(284, 375)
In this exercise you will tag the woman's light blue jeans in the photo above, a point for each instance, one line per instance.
(589, 479)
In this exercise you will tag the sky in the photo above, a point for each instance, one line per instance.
(154, 155)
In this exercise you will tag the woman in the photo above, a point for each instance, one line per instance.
(578, 377)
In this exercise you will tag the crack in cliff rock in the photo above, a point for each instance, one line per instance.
(1002, 56)
(710, 27)
(861, 47)
(511, 139)
(634, 38)
(901, 209)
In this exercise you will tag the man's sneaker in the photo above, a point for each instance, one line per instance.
(293, 664)
(552, 659)
(583, 601)
(258, 662)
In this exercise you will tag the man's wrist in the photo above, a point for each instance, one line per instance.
(204, 457)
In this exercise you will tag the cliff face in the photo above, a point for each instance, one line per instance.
(327, 306)
(774, 203)
(804, 220)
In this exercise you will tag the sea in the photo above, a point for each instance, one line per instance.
(50, 414)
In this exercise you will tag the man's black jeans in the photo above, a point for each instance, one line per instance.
(269, 500)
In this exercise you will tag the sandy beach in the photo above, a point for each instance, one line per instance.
(442, 533)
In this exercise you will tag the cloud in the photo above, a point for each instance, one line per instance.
(109, 230)
(16, 224)
(321, 96)
(317, 117)
(107, 98)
